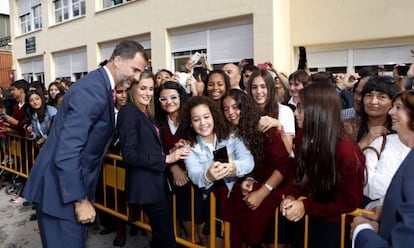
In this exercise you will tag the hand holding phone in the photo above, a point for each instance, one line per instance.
(196, 57)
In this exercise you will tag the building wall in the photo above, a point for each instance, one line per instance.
(321, 22)
(328, 28)
(352, 33)
(155, 18)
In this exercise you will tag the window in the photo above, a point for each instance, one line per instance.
(224, 44)
(25, 26)
(71, 64)
(32, 69)
(29, 15)
(180, 58)
(110, 3)
(68, 9)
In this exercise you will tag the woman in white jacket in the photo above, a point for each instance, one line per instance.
(385, 154)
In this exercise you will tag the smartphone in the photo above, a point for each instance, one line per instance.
(196, 57)
(402, 70)
(220, 155)
(262, 66)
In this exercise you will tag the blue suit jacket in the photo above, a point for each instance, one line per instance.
(143, 153)
(67, 167)
(397, 221)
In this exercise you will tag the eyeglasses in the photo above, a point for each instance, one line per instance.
(166, 98)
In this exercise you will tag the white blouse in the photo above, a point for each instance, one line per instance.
(380, 172)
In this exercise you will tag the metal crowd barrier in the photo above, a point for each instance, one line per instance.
(22, 153)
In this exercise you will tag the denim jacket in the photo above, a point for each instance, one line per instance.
(201, 156)
(41, 129)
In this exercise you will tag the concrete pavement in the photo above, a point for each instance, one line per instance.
(17, 231)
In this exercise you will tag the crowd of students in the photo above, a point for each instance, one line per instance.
(311, 144)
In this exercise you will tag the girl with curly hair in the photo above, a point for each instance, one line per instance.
(207, 131)
(258, 195)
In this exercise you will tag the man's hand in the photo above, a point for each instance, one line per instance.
(84, 211)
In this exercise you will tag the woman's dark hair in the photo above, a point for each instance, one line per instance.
(249, 118)
(300, 75)
(61, 89)
(160, 114)
(321, 131)
(322, 77)
(383, 84)
(225, 77)
(162, 70)
(43, 109)
(221, 127)
(200, 72)
(271, 107)
(407, 99)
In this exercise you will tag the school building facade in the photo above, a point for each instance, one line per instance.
(67, 38)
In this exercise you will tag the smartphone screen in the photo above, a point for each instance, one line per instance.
(220, 155)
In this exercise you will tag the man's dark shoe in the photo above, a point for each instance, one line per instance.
(106, 231)
(33, 217)
(119, 241)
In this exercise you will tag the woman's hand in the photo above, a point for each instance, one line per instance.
(204, 62)
(255, 198)
(217, 171)
(373, 133)
(247, 186)
(293, 210)
(267, 122)
(180, 177)
(177, 154)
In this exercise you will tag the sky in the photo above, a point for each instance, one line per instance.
(4, 7)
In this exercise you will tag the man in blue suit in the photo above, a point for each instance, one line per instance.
(63, 179)
(396, 228)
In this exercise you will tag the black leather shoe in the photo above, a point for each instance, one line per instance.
(106, 231)
(119, 241)
(133, 231)
(33, 217)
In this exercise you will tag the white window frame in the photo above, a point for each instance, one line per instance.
(111, 3)
(68, 9)
(31, 20)
(37, 17)
(25, 23)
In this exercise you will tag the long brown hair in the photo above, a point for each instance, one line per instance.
(271, 107)
(249, 117)
(321, 131)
